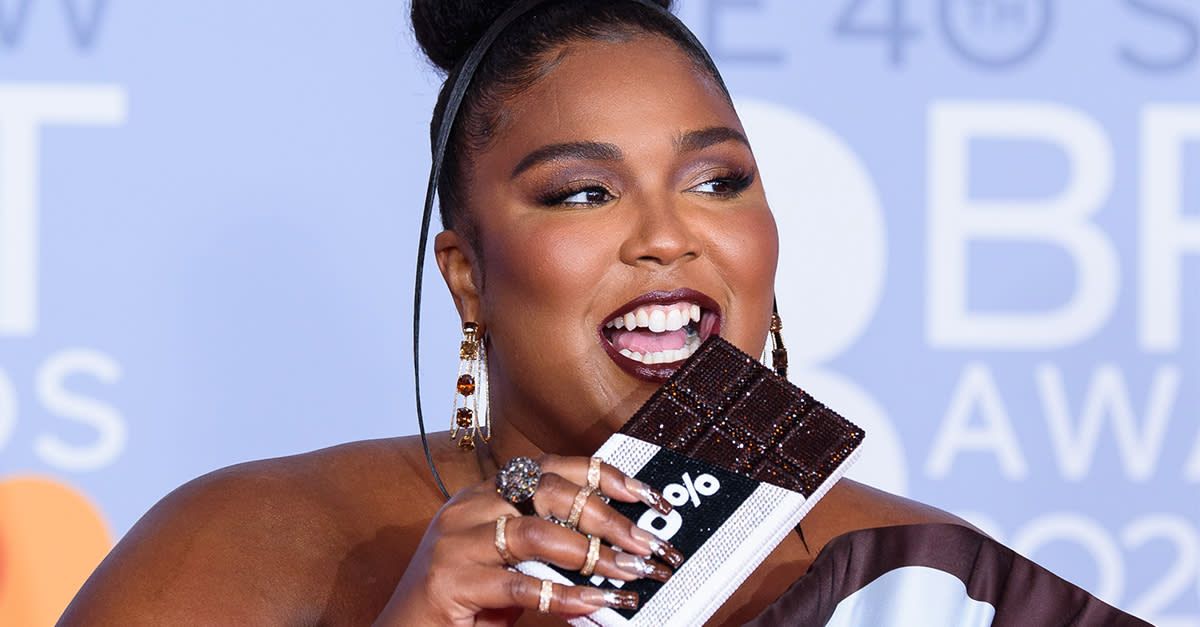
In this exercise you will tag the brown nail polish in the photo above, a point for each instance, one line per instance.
(623, 599)
(648, 495)
(645, 537)
(666, 552)
(642, 567)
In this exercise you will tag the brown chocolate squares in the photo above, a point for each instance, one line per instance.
(725, 408)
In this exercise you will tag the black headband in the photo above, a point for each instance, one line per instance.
(463, 75)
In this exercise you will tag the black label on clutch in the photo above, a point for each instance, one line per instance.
(703, 496)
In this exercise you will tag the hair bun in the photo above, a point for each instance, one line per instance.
(447, 29)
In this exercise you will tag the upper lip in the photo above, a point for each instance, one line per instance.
(660, 297)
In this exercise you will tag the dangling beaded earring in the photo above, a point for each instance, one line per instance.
(471, 399)
(779, 361)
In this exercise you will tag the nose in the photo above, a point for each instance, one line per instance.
(659, 234)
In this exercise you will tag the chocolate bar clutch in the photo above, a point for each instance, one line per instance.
(742, 455)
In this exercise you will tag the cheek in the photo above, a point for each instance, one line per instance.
(751, 250)
(538, 275)
(539, 278)
(747, 256)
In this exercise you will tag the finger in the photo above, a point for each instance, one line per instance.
(613, 482)
(469, 506)
(558, 497)
(511, 589)
(531, 538)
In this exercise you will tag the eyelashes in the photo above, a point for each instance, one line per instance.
(590, 194)
(577, 196)
(730, 186)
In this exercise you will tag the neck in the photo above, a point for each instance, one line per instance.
(505, 444)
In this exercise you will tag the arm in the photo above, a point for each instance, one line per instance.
(189, 550)
(270, 543)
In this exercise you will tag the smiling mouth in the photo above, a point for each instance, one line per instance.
(652, 335)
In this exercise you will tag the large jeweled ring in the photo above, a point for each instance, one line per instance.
(593, 555)
(502, 541)
(593, 475)
(577, 507)
(545, 596)
(518, 480)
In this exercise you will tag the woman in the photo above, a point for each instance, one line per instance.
(596, 172)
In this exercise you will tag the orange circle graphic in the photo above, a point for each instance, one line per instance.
(51, 538)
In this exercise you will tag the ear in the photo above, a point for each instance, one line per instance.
(456, 260)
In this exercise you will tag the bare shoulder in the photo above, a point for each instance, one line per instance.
(851, 506)
(269, 541)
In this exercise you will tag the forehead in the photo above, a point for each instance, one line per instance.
(641, 89)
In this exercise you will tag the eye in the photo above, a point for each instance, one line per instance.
(727, 186)
(579, 197)
(590, 196)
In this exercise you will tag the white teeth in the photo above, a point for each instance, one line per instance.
(667, 356)
(656, 318)
(658, 321)
(674, 320)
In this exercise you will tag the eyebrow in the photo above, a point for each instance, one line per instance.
(691, 141)
(711, 136)
(590, 151)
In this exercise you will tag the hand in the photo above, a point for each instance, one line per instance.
(459, 577)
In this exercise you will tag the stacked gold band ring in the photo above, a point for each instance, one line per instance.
(545, 596)
(593, 474)
(502, 541)
(577, 507)
(593, 555)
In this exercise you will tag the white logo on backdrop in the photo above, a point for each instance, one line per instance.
(955, 219)
(24, 110)
(978, 421)
(832, 266)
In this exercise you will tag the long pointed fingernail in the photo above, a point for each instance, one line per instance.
(624, 599)
(667, 553)
(645, 537)
(648, 495)
(658, 547)
(642, 567)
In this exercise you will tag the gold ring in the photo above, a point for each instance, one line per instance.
(502, 541)
(544, 597)
(593, 476)
(577, 507)
(593, 555)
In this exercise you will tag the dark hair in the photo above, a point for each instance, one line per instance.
(448, 29)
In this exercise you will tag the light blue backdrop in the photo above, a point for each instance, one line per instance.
(207, 232)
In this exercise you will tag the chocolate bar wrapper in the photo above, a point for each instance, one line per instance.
(742, 455)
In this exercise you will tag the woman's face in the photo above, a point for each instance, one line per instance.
(617, 201)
